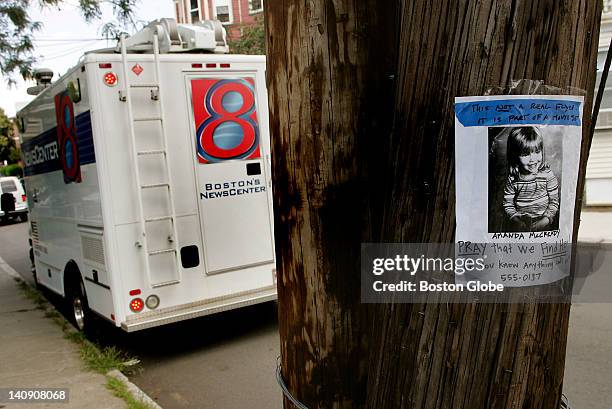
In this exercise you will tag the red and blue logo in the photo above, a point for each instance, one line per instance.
(66, 138)
(225, 119)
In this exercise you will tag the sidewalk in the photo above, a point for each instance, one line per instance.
(588, 362)
(35, 354)
(595, 226)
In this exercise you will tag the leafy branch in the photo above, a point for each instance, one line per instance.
(17, 30)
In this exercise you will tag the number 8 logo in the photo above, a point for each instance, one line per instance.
(230, 130)
(66, 138)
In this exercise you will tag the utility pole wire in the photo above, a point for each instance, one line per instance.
(58, 46)
(68, 40)
(63, 53)
(600, 92)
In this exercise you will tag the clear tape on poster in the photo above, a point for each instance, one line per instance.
(533, 87)
(517, 153)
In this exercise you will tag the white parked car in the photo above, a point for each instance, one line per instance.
(13, 201)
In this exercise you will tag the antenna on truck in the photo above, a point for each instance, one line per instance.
(43, 77)
(205, 36)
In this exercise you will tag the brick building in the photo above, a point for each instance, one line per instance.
(232, 13)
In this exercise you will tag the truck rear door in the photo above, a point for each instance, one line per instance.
(233, 181)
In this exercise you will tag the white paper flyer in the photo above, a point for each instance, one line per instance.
(516, 164)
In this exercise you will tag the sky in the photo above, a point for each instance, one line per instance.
(65, 36)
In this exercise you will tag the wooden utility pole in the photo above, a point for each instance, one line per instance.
(361, 100)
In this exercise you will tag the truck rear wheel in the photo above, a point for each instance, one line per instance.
(80, 314)
(35, 278)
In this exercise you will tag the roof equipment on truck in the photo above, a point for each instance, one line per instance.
(206, 36)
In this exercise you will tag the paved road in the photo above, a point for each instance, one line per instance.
(222, 361)
(588, 365)
(217, 362)
(14, 247)
(228, 360)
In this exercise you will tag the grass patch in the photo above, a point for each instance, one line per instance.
(119, 389)
(102, 360)
(52, 314)
(96, 358)
(75, 336)
(32, 294)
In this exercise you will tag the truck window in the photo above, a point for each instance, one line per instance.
(8, 186)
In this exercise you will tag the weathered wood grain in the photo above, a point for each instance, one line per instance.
(361, 117)
(330, 103)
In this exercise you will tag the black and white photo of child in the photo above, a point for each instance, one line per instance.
(524, 178)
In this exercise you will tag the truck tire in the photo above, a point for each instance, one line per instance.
(35, 277)
(80, 315)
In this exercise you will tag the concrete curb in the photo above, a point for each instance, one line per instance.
(9, 270)
(133, 389)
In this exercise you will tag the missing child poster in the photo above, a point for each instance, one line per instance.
(517, 160)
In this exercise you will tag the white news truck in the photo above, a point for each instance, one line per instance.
(148, 176)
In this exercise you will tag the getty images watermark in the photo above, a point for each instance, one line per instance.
(487, 272)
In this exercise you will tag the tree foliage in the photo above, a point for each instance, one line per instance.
(8, 150)
(253, 39)
(12, 170)
(17, 29)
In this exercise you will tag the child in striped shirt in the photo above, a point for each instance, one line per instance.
(531, 195)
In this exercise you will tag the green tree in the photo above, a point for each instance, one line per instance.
(12, 170)
(17, 30)
(7, 143)
(252, 40)
(14, 155)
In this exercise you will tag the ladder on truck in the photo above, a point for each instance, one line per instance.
(157, 96)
